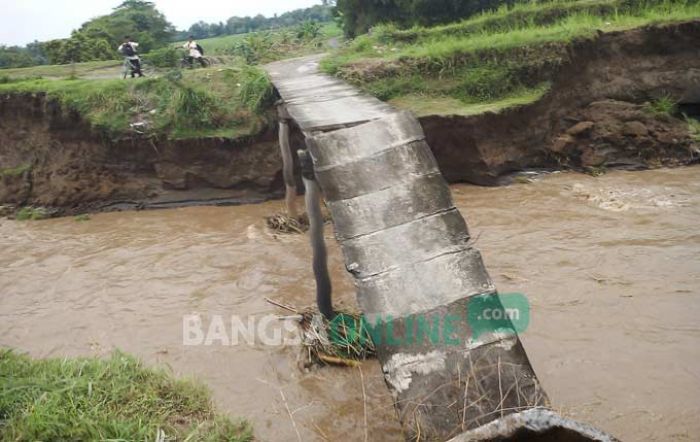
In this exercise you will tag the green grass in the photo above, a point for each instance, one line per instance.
(31, 214)
(104, 399)
(693, 128)
(203, 101)
(503, 33)
(63, 70)
(272, 45)
(484, 61)
(231, 99)
(424, 105)
(664, 105)
(506, 18)
(14, 171)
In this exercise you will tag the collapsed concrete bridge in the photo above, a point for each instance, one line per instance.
(409, 252)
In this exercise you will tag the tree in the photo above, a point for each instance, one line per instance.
(15, 57)
(98, 38)
(358, 16)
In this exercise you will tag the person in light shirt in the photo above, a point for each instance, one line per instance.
(195, 52)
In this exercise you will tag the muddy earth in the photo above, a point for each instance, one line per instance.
(610, 266)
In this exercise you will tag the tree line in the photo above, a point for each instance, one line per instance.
(98, 38)
(243, 25)
(358, 16)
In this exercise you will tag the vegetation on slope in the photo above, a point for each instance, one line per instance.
(266, 46)
(243, 25)
(508, 54)
(359, 16)
(231, 99)
(226, 102)
(105, 399)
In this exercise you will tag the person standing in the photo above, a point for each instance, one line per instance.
(129, 50)
(195, 52)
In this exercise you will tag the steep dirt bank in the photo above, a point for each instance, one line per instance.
(592, 117)
(50, 158)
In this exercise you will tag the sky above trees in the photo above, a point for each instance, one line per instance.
(28, 20)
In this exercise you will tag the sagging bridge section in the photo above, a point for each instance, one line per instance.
(409, 252)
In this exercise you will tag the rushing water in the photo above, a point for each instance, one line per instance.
(611, 266)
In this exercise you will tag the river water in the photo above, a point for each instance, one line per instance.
(611, 266)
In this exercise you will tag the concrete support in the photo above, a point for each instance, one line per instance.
(287, 162)
(312, 197)
(408, 248)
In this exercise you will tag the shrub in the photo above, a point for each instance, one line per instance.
(308, 30)
(167, 57)
(256, 93)
(196, 108)
(31, 213)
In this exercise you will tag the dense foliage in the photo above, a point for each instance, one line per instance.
(244, 25)
(18, 56)
(97, 39)
(358, 16)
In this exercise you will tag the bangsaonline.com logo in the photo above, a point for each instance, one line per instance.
(505, 313)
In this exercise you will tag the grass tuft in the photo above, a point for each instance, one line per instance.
(104, 399)
(31, 214)
(15, 171)
(693, 128)
(256, 90)
(664, 105)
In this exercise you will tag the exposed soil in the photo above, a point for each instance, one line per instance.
(52, 159)
(592, 118)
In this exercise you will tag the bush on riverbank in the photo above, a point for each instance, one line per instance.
(111, 399)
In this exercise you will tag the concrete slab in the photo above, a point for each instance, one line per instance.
(319, 102)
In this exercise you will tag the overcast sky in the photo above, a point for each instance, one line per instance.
(27, 20)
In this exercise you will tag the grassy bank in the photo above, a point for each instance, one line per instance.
(273, 45)
(508, 55)
(229, 101)
(111, 399)
(63, 70)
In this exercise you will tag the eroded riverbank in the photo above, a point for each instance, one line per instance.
(610, 265)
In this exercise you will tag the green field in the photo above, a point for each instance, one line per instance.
(105, 399)
(114, 67)
(489, 60)
(225, 45)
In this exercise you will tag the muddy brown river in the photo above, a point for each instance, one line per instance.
(611, 266)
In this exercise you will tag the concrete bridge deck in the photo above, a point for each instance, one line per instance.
(318, 102)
